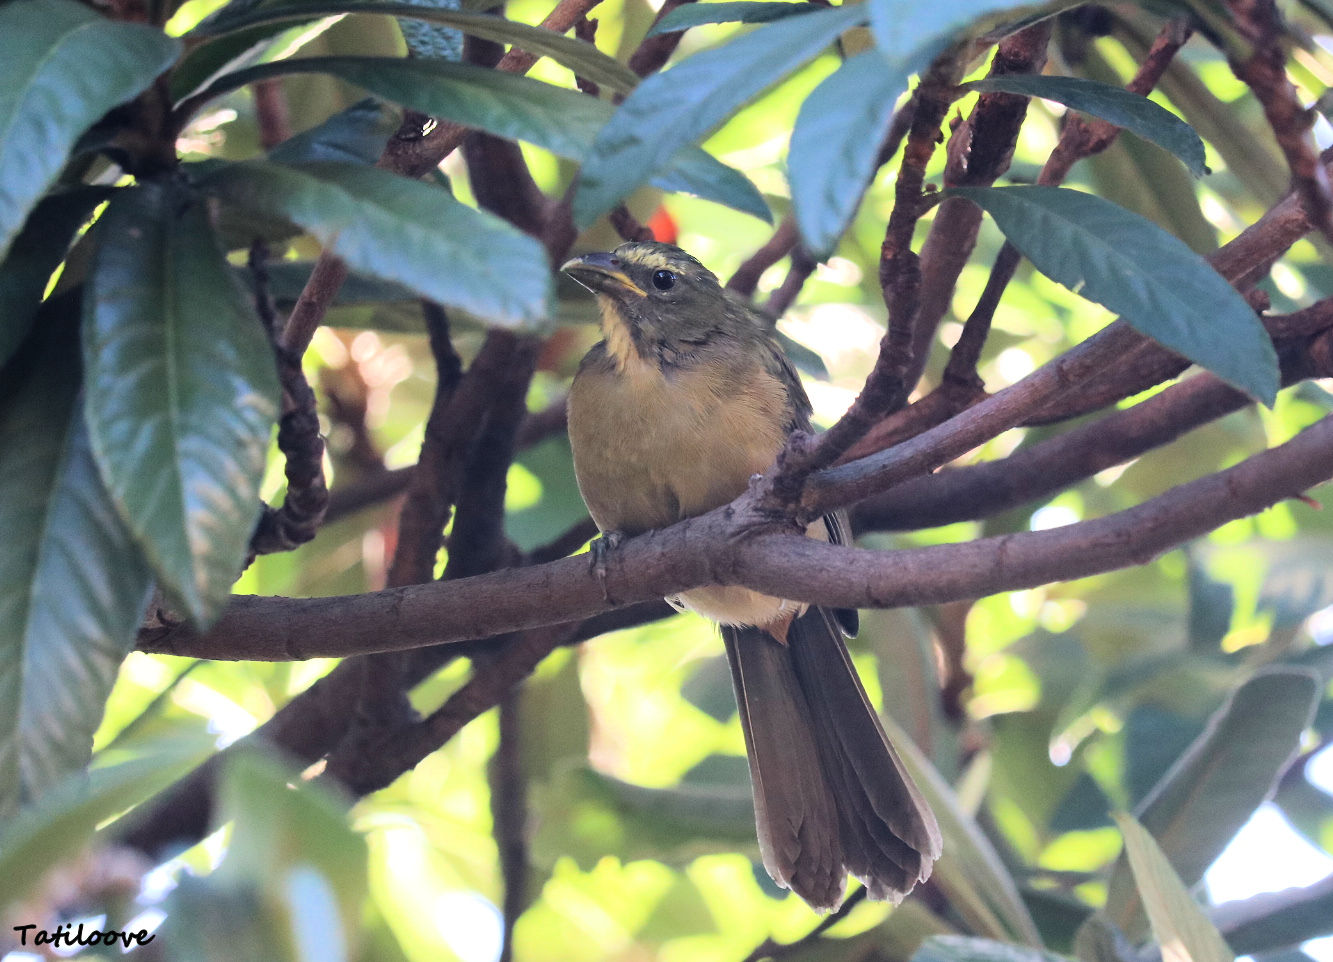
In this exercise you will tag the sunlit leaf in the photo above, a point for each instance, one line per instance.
(1115, 105)
(1184, 933)
(181, 391)
(400, 230)
(65, 822)
(835, 142)
(65, 66)
(561, 121)
(672, 110)
(1217, 784)
(582, 58)
(1133, 267)
(72, 582)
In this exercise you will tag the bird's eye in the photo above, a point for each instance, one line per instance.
(664, 280)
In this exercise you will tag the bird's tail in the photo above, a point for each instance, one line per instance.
(831, 795)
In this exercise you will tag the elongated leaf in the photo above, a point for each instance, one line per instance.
(401, 230)
(65, 66)
(65, 823)
(72, 582)
(1183, 931)
(1218, 783)
(674, 109)
(970, 871)
(731, 11)
(356, 135)
(181, 391)
(835, 142)
(582, 58)
(1113, 104)
(36, 253)
(962, 948)
(1128, 264)
(561, 121)
(912, 33)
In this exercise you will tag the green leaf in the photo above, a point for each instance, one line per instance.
(582, 58)
(37, 252)
(1118, 106)
(1274, 920)
(674, 109)
(1214, 787)
(181, 391)
(837, 137)
(561, 121)
(287, 831)
(732, 11)
(1128, 264)
(65, 66)
(400, 230)
(912, 33)
(962, 948)
(44, 835)
(73, 584)
(356, 135)
(1183, 931)
(970, 871)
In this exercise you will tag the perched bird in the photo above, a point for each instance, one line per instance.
(687, 396)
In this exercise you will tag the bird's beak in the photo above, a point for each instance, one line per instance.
(602, 273)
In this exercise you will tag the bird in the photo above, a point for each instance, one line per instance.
(686, 397)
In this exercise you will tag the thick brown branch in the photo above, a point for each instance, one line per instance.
(736, 544)
(979, 491)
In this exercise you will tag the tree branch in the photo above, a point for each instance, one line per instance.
(739, 544)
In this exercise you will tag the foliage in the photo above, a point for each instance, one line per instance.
(202, 215)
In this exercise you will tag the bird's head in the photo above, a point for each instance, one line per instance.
(655, 299)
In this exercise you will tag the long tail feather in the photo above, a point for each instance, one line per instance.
(831, 794)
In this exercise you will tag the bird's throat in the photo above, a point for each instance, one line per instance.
(620, 342)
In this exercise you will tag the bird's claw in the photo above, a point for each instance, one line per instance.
(598, 551)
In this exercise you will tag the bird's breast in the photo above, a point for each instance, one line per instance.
(652, 447)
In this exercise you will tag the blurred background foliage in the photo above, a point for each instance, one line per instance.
(1070, 701)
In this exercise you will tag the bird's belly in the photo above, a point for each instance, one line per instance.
(649, 454)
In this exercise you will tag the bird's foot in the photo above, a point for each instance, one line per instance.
(598, 552)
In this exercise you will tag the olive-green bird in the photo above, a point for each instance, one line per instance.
(688, 396)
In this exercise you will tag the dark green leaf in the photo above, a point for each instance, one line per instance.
(1275, 920)
(1115, 105)
(65, 66)
(835, 142)
(674, 109)
(1128, 264)
(37, 252)
(1216, 785)
(65, 822)
(286, 280)
(356, 135)
(582, 58)
(961, 948)
(911, 33)
(559, 120)
(730, 11)
(1177, 920)
(401, 230)
(73, 584)
(181, 391)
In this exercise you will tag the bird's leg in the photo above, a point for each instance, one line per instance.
(598, 551)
